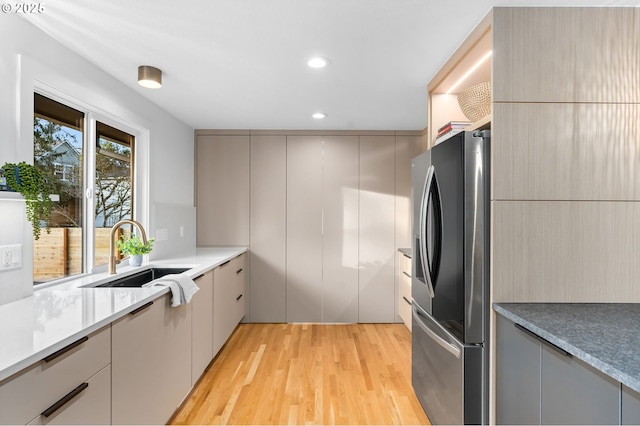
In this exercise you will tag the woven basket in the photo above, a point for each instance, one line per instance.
(475, 102)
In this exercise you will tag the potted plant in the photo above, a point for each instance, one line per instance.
(36, 189)
(134, 247)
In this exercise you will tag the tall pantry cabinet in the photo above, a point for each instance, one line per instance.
(377, 228)
(303, 297)
(268, 228)
(322, 229)
(326, 214)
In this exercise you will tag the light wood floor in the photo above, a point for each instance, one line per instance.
(308, 374)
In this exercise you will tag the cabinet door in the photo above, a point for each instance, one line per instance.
(517, 375)
(630, 406)
(136, 361)
(222, 190)
(377, 229)
(176, 357)
(304, 229)
(151, 363)
(223, 304)
(267, 284)
(202, 326)
(92, 406)
(340, 229)
(575, 393)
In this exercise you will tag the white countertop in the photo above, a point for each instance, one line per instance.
(56, 316)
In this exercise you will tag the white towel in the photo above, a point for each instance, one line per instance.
(182, 287)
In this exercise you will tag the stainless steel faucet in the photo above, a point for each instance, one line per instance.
(112, 244)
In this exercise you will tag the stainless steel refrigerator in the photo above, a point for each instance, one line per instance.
(450, 283)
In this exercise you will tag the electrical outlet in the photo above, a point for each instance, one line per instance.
(10, 257)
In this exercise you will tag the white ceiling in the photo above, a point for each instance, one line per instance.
(241, 64)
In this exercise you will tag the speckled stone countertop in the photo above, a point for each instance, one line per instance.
(604, 335)
(405, 251)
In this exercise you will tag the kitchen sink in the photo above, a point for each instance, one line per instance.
(142, 277)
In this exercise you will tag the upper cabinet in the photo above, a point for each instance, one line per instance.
(222, 189)
(566, 55)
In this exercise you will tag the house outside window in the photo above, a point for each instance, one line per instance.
(64, 171)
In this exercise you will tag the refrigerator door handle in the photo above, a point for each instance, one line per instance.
(453, 350)
(424, 210)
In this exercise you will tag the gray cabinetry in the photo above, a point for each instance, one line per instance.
(322, 229)
(72, 386)
(267, 283)
(228, 299)
(517, 375)
(376, 231)
(304, 229)
(538, 383)
(151, 362)
(575, 393)
(202, 326)
(222, 189)
(630, 406)
(340, 206)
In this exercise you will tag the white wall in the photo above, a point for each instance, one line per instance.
(29, 57)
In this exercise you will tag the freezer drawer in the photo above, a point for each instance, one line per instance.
(446, 375)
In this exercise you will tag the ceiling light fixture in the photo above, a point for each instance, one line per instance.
(149, 77)
(318, 62)
(471, 70)
(319, 115)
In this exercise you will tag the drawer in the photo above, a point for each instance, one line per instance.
(239, 265)
(19, 403)
(404, 301)
(92, 406)
(405, 265)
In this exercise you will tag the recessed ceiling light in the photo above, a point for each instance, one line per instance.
(319, 115)
(318, 62)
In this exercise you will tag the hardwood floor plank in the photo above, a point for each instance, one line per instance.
(308, 374)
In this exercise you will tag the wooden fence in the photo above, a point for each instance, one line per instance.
(59, 254)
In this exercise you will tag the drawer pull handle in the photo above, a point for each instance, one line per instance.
(406, 255)
(406, 274)
(238, 298)
(239, 270)
(198, 277)
(66, 349)
(141, 308)
(222, 264)
(406, 300)
(543, 340)
(68, 397)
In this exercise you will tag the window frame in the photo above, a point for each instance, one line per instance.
(140, 178)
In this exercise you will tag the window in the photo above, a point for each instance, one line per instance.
(64, 171)
(103, 168)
